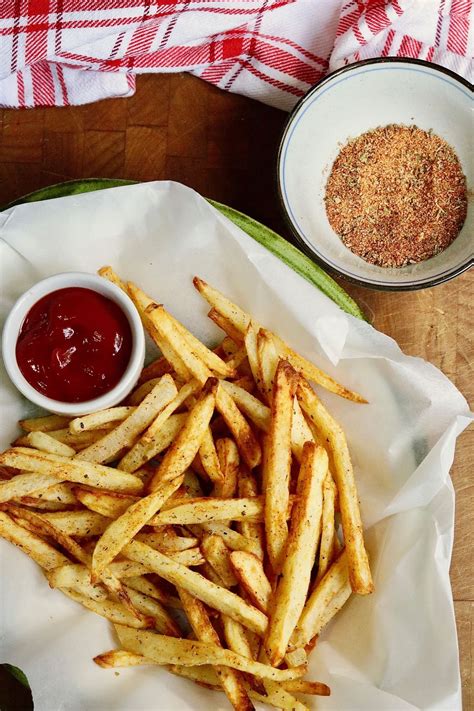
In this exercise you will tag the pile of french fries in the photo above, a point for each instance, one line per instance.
(213, 517)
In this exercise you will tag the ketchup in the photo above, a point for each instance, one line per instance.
(74, 345)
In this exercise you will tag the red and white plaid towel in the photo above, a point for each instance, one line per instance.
(60, 52)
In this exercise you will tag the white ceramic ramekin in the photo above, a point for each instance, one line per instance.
(32, 296)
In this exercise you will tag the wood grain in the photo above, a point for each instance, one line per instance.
(224, 146)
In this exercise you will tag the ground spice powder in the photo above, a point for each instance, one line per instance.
(396, 195)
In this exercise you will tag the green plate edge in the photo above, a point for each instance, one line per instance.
(272, 241)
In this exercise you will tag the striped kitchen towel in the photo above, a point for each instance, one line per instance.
(62, 52)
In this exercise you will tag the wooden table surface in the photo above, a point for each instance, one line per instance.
(177, 127)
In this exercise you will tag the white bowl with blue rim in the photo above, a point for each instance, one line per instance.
(352, 100)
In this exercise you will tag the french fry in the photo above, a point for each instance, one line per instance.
(167, 541)
(326, 549)
(333, 607)
(251, 575)
(246, 441)
(110, 504)
(232, 333)
(146, 587)
(231, 680)
(65, 469)
(125, 433)
(247, 487)
(299, 555)
(167, 330)
(35, 547)
(215, 551)
(44, 424)
(231, 312)
(124, 528)
(229, 461)
(142, 391)
(45, 443)
(186, 445)
(76, 577)
(208, 357)
(267, 361)
(120, 658)
(233, 539)
(278, 465)
(169, 650)
(209, 458)
(189, 557)
(108, 273)
(252, 355)
(221, 599)
(77, 523)
(97, 420)
(144, 450)
(58, 493)
(251, 406)
(211, 509)
(146, 447)
(76, 441)
(113, 611)
(25, 484)
(150, 607)
(300, 431)
(359, 569)
(335, 579)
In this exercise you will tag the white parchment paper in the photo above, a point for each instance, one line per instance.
(395, 649)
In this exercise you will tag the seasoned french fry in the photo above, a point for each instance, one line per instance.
(167, 541)
(145, 586)
(299, 555)
(227, 326)
(211, 509)
(326, 549)
(216, 553)
(108, 273)
(125, 433)
(44, 424)
(77, 441)
(98, 419)
(251, 575)
(25, 484)
(251, 406)
(237, 317)
(247, 487)
(233, 539)
(58, 493)
(300, 431)
(35, 547)
(246, 441)
(110, 504)
(186, 445)
(359, 569)
(189, 557)
(333, 607)
(65, 469)
(166, 328)
(229, 461)
(144, 450)
(267, 361)
(120, 658)
(113, 611)
(150, 607)
(77, 523)
(252, 355)
(45, 443)
(335, 579)
(169, 650)
(231, 680)
(124, 528)
(278, 465)
(221, 599)
(209, 458)
(76, 577)
(142, 391)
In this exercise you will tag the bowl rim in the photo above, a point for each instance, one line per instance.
(433, 281)
(32, 295)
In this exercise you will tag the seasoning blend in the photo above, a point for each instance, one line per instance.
(396, 195)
